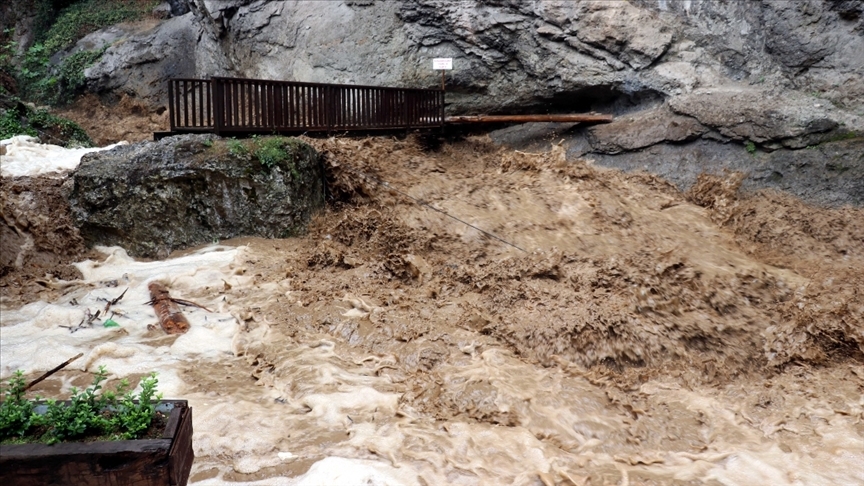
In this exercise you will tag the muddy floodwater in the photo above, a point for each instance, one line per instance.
(622, 333)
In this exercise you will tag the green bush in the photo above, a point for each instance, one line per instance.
(59, 24)
(16, 118)
(89, 413)
(8, 49)
(71, 80)
(16, 413)
(86, 16)
(237, 149)
(271, 151)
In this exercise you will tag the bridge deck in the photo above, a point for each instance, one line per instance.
(238, 106)
(234, 105)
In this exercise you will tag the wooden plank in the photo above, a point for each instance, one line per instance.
(185, 104)
(173, 422)
(194, 104)
(171, 122)
(577, 118)
(181, 455)
(209, 97)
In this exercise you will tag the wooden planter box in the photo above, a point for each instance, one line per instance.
(153, 462)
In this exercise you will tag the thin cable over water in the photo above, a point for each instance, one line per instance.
(389, 186)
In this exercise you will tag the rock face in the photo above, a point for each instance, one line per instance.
(828, 174)
(155, 197)
(773, 73)
(509, 55)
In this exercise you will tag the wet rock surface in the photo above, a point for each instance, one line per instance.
(155, 197)
(509, 56)
(678, 148)
(828, 174)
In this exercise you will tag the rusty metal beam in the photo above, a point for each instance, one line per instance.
(577, 118)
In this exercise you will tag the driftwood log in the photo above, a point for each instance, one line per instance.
(171, 318)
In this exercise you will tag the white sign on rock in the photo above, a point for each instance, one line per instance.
(441, 63)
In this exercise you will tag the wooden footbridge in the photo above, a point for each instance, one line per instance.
(239, 107)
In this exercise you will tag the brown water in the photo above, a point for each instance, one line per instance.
(645, 337)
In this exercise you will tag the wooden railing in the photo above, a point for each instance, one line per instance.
(235, 105)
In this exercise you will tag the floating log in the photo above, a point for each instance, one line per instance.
(576, 118)
(171, 318)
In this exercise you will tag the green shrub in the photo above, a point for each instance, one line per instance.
(16, 118)
(271, 151)
(86, 16)
(89, 413)
(70, 78)
(237, 149)
(34, 80)
(8, 50)
(59, 24)
(16, 413)
(750, 147)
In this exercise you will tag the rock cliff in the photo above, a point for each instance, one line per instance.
(772, 73)
(510, 55)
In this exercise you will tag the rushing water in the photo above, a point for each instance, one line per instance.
(322, 413)
(347, 357)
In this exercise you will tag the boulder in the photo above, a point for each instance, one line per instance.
(762, 116)
(643, 129)
(155, 197)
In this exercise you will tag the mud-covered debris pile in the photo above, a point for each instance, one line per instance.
(621, 271)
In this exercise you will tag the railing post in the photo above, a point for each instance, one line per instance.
(406, 97)
(440, 98)
(171, 120)
(218, 105)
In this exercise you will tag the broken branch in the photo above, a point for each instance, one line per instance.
(51, 372)
(114, 302)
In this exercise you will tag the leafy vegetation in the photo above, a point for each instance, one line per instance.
(8, 48)
(16, 118)
(237, 149)
(115, 414)
(750, 147)
(269, 151)
(86, 16)
(59, 24)
(16, 413)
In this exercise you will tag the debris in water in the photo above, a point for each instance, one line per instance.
(171, 318)
(52, 371)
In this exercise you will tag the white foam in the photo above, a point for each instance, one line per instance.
(39, 336)
(25, 156)
(350, 472)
